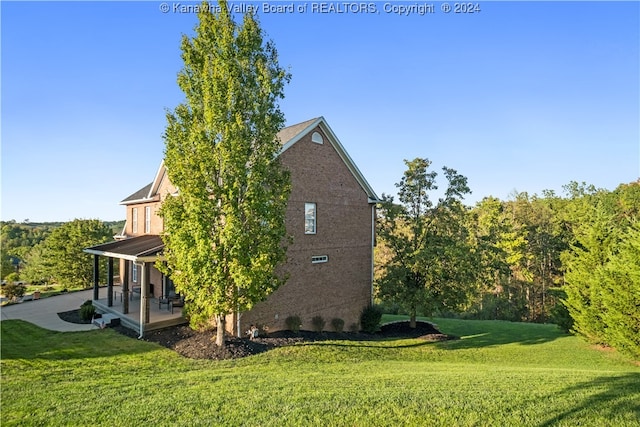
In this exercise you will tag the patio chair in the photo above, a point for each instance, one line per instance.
(163, 300)
(177, 301)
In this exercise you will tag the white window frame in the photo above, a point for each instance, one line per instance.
(317, 138)
(147, 219)
(310, 218)
(134, 273)
(134, 220)
(319, 259)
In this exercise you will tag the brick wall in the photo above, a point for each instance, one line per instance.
(340, 287)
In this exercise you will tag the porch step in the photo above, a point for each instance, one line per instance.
(107, 319)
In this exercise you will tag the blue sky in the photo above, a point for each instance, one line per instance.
(521, 96)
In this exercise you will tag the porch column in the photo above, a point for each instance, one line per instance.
(110, 283)
(125, 288)
(144, 290)
(163, 289)
(146, 281)
(96, 277)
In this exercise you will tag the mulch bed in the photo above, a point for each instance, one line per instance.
(200, 344)
(73, 316)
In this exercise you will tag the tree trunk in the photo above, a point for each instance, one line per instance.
(220, 330)
(412, 318)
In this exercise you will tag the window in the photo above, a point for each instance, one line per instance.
(309, 218)
(319, 259)
(147, 219)
(317, 138)
(134, 273)
(134, 220)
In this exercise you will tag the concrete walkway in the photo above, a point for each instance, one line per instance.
(44, 312)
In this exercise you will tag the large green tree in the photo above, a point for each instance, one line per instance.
(16, 241)
(603, 264)
(431, 263)
(621, 294)
(224, 229)
(60, 256)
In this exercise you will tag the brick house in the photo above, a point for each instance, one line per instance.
(330, 216)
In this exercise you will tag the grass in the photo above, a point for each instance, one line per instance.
(498, 373)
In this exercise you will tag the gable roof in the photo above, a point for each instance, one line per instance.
(290, 132)
(288, 136)
(303, 129)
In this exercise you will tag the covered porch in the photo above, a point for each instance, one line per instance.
(160, 315)
(140, 304)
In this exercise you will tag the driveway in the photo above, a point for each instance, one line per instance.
(44, 312)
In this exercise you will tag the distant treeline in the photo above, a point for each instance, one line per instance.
(573, 260)
(17, 239)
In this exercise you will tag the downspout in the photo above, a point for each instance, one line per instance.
(143, 298)
(238, 313)
(373, 244)
(238, 323)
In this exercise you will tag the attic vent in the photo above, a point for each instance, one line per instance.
(319, 258)
(317, 138)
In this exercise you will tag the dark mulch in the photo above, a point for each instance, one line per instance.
(200, 344)
(73, 316)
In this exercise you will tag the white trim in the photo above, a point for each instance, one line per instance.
(139, 259)
(157, 180)
(147, 219)
(123, 233)
(134, 220)
(317, 138)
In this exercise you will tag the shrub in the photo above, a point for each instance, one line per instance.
(13, 290)
(337, 324)
(354, 327)
(12, 277)
(370, 318)
(87, 310)
(318, 323)
(293, 323)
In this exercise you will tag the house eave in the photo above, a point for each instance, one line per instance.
(139, 201)
(136, 259)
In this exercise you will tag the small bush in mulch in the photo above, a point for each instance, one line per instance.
(337, 324)
(370, 318)
(318, 323)
(293, 323)
(87, 311)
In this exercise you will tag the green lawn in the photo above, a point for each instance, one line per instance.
(498, 373)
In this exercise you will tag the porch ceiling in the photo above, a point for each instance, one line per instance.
(138, 249)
